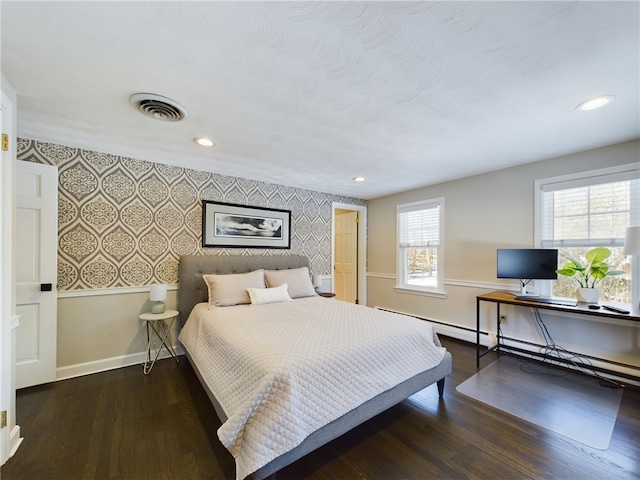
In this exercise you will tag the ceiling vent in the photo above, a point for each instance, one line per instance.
(158, 107)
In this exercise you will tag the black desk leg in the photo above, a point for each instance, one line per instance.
(477, 332)
(498, 331)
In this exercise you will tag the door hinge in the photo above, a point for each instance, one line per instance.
(357, 219)
(3, 419)
(5, 142)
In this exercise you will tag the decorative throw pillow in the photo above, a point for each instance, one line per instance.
(298, 280)
(228, 290)
(260, 296)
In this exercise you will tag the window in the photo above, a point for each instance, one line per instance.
(578, 212)
(420, 255)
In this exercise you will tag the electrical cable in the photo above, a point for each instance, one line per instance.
(564, 357)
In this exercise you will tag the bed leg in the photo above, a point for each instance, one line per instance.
(441, 387)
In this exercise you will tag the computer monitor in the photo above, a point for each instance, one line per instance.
(527, 264)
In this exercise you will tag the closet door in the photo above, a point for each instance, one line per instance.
(346, 257)
(36, 272)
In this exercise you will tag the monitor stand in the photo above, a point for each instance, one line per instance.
(523, 290)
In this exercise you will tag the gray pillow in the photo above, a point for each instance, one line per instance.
(298, 279)
(231, 289)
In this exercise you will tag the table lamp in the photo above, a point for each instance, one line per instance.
(157, 296)
(317, 282)
(632, 241)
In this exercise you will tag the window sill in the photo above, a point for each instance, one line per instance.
(420, 291)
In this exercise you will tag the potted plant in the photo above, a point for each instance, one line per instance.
(589, 274)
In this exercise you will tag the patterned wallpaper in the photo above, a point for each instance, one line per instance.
(124, 222)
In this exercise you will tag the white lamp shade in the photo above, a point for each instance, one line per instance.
(157, 292)
(632, 241)
(317, 281)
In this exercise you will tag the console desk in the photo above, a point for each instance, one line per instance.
(508, 298)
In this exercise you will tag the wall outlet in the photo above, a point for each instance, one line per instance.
(503, 318)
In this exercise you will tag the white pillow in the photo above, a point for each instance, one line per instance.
(228, 290)
(298, 279)
(260, 296)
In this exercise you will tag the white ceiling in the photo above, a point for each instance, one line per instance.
(312, 94)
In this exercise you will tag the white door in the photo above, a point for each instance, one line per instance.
(346, 257)
(36, 272)
(6, 299)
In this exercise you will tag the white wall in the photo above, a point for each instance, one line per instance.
(100, 330)
(483, 213)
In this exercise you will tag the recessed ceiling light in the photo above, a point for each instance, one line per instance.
(204, 141)
(594, 103)
(358, 179)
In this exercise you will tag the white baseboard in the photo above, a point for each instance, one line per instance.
(14, 440)
(450, 330)
(465, 335)
(103, 365)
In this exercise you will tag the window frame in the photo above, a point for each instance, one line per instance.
(402, 284)
(587, 178)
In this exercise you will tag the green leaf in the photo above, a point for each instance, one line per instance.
(576, 264)
(615, 272)
(599, 271)
(597, 255)
(568, 270)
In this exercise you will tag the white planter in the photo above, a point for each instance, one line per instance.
(588, 295)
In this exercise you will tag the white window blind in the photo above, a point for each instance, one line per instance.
(596, 213)
(420, 228)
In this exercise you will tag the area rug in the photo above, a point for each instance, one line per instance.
(572, 405)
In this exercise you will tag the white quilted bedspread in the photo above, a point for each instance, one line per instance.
(281, 371)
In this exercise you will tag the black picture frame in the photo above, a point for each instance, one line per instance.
(230, 225)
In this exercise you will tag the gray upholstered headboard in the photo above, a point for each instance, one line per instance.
(192, 289)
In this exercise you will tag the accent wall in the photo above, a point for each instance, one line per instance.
(122, 225)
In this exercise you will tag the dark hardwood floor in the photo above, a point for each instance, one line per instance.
(123, 424)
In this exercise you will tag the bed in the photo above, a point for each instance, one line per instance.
(273, 405)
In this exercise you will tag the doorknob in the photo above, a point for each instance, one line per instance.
(46, 287)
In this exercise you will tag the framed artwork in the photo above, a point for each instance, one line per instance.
(240, 226)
